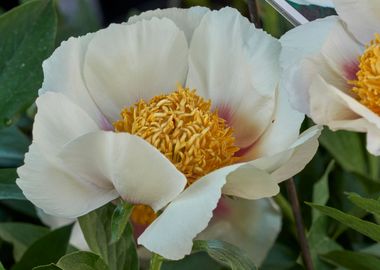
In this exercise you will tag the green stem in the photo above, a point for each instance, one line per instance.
(156, 262)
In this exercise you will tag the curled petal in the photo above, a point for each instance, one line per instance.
(137, 170)
(57, 191)
(171, 234)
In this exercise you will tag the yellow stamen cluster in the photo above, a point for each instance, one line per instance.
(143, 214)
(182, 126)
(367, 85)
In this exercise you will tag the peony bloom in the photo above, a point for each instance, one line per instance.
(323, 3)
(114, 121)
(332, 69)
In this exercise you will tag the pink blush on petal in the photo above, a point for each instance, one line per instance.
(350, 70)
(225, 112)
(105, 124)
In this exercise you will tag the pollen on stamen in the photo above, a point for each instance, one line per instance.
(182, 126)
(367, 84)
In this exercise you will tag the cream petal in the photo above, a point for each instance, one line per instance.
(59, 121)
(171, 234)
(249, 182)
(341, 52)
(299, 42)
(251, 225)
(236, 66)
(373, 140)
(63, 73)
(304, 150)
(142, 60)
(361, 16)
(356, 106)
(288, 163)
(325, 105)
(282, 131)
(186, 19)
(56, 191)
(301, 60)
(138, 171)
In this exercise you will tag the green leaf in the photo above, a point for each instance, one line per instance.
(320, 242)
(321, 190)
(367, 228)
(27, 38)
(346, 147)
(82, 260)
(281, 257)
(1, 266)
(21, 206)
(370, 205)
(8, 187)
(225, 254)
(198, 260)
(352, 260)
(47, 249)
(13, 145)
(21, 236)
(120, 219)
(96, 227)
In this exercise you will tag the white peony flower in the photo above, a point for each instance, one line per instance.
(331, 69)
(111, 123)
(323, 3)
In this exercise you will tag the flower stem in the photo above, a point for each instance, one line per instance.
(156, 262)
(253, 9)
(305, 251)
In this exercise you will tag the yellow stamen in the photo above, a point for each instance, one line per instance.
(367, 85)
(143, 214)
(182, 126)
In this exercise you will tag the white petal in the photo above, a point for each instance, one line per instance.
(59, 121)
(286, 121)
(304, 150)
(373, 140)
(304, 40)
(139, 172)
(63, 74)
(301, 60)
(361, 16)
(356, 106)
(341, 52)
(56, 191)
(325, 105)
(249, 182)
(236, 66)
(142, 60)
(185, 19)
(171, 234)
(253, 226)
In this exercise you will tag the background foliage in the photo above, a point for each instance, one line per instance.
(341, 176)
